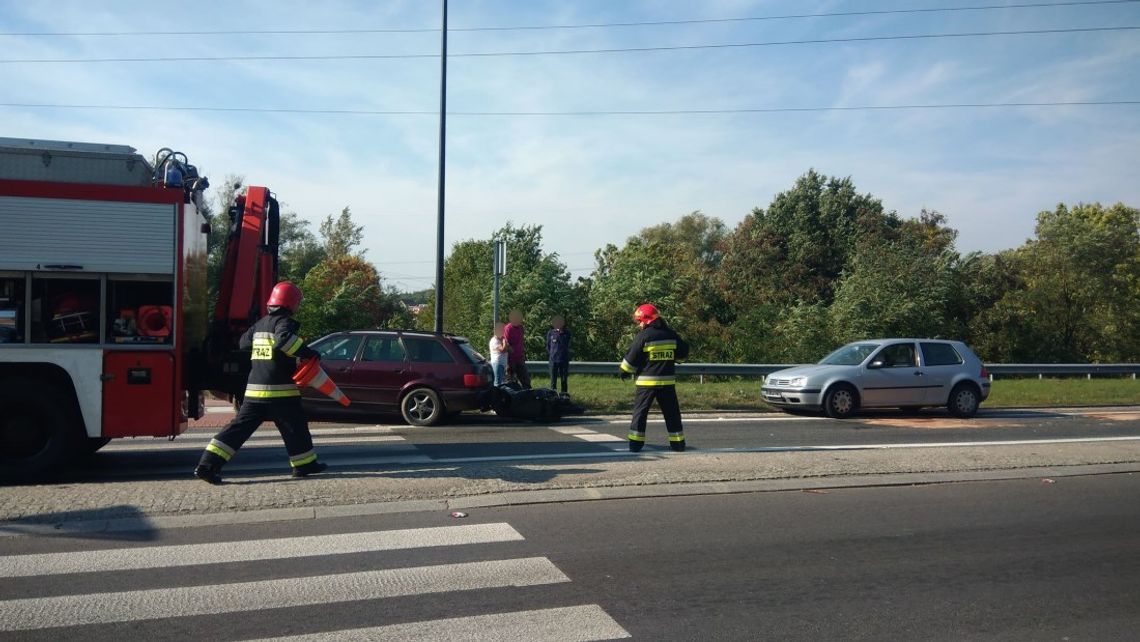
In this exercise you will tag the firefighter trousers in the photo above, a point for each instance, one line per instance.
(666, 398)
(286, 414)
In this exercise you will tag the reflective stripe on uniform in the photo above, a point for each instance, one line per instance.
(263, 343)
(220, 449)
(292, 344)
(676, 436)
(627, 367)
(272, 394)
(271, 391)
(650, 380)
(664, 350)
(296, 461)
(634, 436)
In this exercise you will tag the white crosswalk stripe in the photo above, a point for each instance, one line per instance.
(246, 551)
(578, 622)
(130, 606)
(585, 434)
(570, 624)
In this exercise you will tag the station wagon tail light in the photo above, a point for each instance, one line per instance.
(985, 373)
(474, 380)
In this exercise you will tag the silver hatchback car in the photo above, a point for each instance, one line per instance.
(884, 373)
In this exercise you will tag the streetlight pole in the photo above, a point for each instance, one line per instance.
(442, 182)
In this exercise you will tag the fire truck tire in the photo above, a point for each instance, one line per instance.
(39, 432)
(93, 444)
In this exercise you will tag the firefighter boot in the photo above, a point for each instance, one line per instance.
(211, 473)
(311, 468)
(636, 446)
(677, 446)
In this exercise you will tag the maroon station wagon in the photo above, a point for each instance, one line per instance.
(422, 375)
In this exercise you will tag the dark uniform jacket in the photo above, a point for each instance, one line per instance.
(558, 345)
(654, 354)
(275, 349)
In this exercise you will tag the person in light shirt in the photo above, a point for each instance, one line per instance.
(499, 351)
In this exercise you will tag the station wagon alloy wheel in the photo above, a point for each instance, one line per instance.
(421, 407)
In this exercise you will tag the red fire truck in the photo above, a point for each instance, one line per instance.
(105, 311)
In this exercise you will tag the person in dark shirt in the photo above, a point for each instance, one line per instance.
(516, 359)
(558, 350)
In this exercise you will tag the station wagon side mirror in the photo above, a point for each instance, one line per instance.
(876, 364)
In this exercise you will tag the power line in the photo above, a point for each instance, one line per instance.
(607, 112)
(595, 25)
(563, 52)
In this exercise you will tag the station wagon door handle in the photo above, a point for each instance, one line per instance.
(918, 373)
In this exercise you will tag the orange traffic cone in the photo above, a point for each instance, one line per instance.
(312, 374)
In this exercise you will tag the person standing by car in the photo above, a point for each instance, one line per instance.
(270, 392)
(516, 358)
(499, 351)
(652, 360)
(558, 350)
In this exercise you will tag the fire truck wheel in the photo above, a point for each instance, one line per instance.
(422, 407)
(93, 444)
(39, 435)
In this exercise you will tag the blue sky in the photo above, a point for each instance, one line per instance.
(593, 180)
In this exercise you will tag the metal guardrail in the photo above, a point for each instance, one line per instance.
(765, 369)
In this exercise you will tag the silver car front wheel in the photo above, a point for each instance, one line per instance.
(841, 401)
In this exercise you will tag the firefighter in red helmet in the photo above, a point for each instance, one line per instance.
(652, 361)
(270, 393)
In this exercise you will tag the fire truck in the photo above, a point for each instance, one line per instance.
(107, 324)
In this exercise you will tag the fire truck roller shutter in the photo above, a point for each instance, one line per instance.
(95, 236)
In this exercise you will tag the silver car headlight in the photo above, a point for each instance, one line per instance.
(798, 382)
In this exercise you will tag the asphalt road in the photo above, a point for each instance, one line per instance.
(472, 438)
(1011, 560)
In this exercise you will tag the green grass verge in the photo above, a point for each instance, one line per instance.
(610, 394)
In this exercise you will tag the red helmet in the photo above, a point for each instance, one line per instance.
(285, 295)
(646, 313)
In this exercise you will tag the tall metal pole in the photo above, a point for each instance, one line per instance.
(442, 182)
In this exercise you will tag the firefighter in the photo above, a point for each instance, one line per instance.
(651, 360)
(270, 392)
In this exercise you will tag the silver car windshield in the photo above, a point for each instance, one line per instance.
(850, 355)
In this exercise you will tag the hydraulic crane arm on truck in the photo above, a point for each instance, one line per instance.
(105, 326)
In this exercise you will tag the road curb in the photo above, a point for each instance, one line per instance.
(551, 496)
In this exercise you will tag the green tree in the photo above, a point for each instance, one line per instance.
(299, 250)
(536, 282)
(341, 235)
(346, 293)
(796, 249)
(219, 232)
(1077, 297)
(672, 265)
(894, 289)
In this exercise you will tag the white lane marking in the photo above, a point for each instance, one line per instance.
(570, 430)
(120, 559)
(219, 410)
(263, 442)
(943, 444)
(155, 604)
(598, 437)
(713, 420)
(268, 431)
(569, 624)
